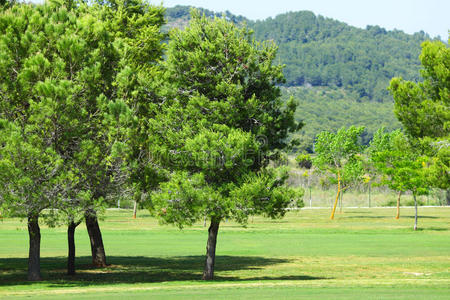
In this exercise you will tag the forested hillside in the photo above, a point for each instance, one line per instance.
(320, 51)
(340, 72)
(326, 108)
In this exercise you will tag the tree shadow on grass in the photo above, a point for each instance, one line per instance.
(387, 217)
(431, 228)
(368, 217)
(437, 228)
(137, 269)
(420, 217)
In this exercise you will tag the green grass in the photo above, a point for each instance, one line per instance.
(363, 253)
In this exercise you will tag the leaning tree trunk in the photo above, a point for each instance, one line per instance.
(34, 255)
(398, 205)
(95, 237)
(71, 241)
(337, 197)
(415, 208)
(208, 273)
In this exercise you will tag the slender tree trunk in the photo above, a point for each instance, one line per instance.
(95, 237)
(34, 255)
(134, 209)
(415, 208)
(337, 197)
(340, 200)
(71, 241)
(208, 273)
(398, 205)
(310, 198)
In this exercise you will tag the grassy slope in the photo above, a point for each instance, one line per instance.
(362, 253)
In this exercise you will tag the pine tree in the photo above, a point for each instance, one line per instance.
(423, 109)
(219, 126)
(60, 68)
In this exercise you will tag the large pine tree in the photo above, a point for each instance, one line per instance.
(220, 124)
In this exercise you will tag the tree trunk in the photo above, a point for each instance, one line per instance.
(34, 255)
(398, 205)
(134, 209)
(95, 237)
(208, 273)
(310, 198)
(337, 197)
(340, 200)
(415, 208)
(71, 241)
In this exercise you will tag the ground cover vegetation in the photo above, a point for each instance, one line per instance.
(362, 253)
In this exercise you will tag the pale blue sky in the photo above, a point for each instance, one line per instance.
(431, 16)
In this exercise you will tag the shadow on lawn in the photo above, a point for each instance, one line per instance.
(136, 269)
(386, 217)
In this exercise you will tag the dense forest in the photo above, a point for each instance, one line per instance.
(338, 73)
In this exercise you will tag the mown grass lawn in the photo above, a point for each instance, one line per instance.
(362, 254)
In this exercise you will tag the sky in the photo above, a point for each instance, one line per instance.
(431, 16)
